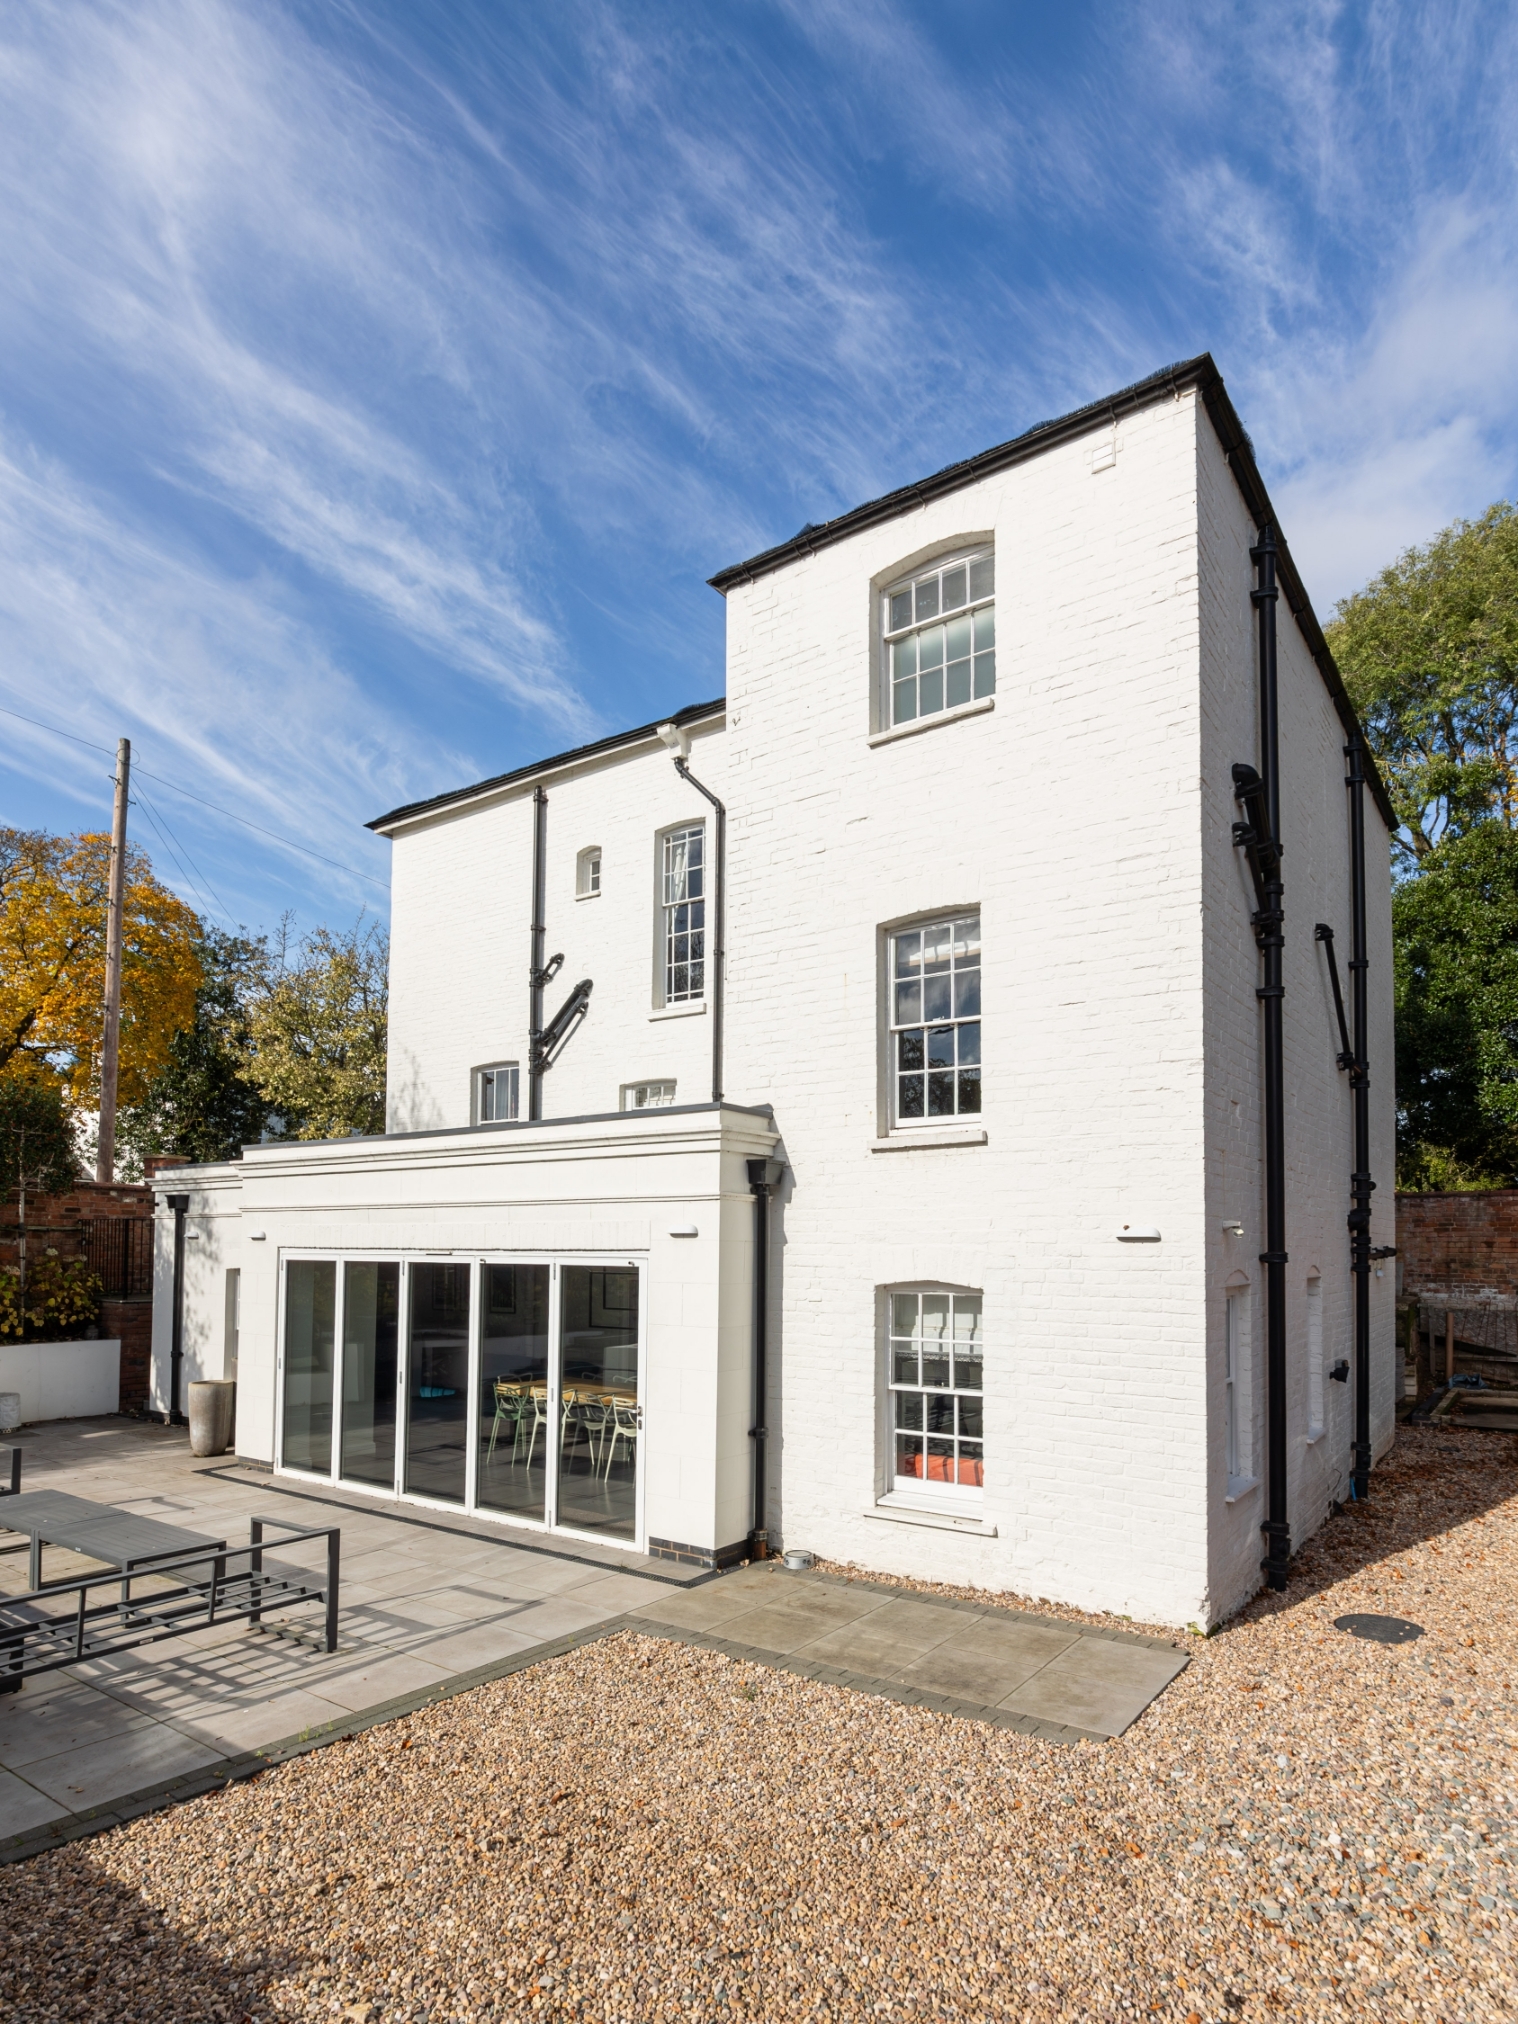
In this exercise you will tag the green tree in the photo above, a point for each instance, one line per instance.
(204, 1103)
(317, 1032)
(1429, 653)
(1456, 939)
(35, 1137)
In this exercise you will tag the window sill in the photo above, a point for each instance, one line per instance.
(1315, 1436)
(1239, 1487)
(587, 896)
(693, 1011)
(909, 1141)
(937, 1517)
(975, 708)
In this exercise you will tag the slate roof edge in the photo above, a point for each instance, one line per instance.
(693, 713)
(1200, 373)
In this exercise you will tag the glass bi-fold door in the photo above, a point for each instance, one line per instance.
(504, 1388)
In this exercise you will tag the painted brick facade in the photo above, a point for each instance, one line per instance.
(1086, 816)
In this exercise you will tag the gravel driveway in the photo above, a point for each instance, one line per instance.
(1304, 1824)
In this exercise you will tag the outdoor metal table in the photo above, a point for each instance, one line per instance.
(97, 1531)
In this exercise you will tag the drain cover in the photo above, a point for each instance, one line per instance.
(1381, 1630)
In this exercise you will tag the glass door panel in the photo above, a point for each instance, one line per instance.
(310, 1313)
(437, 1382)
(516, 1428)
(371, 1350)
(600, 1420)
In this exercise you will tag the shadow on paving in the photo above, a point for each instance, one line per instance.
(1415, 1497)
(83, 1945)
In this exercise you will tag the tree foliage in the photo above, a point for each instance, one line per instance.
(1429, 653)
(35, 1137)
(318, 1032)
(203, 1104)
(52, 964)
(1456, 939)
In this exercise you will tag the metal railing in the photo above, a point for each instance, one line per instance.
(120, 1250)
(60, 1625)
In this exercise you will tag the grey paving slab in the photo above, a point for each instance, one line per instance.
(1094, 1685)
(22, 1806)
(383, 1679)
(1016, 1641)
(701, 1608)
(55, 1714)
(80, 1779)
(785, 1626)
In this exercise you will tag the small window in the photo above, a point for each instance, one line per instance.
(647, 1095)
(233, 1320)
(684, 905)
(937, 1394)
(1314, 1356)
(495, 1093)
(588, 873)
(939, 633)
(935, 1021)
(1238, 1428)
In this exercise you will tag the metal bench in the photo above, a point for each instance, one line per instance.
(211, 1584)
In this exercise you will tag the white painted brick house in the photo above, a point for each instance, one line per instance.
(990, 1025)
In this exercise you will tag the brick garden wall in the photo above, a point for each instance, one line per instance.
(56, 1223)
(1465, 1241)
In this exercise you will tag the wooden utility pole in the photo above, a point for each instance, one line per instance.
(105, 1156)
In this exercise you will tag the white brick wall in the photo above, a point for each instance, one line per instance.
(1087, 815)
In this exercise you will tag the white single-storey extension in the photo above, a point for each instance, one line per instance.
(898, 1109)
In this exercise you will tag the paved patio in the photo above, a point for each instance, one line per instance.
(1069, 1682)
(431, 1604)
(426, 1601)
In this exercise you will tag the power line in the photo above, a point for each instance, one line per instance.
(193, 874)
(175, 788)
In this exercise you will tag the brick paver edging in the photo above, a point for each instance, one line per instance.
(249, 1763)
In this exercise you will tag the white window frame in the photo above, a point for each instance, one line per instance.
(633, 1091)
(588, 873)
(1238, 1388)
(960, 928)
(1314, 1335)
(682, 914)
(963, 1304)
(920, 636)
(478, 1085)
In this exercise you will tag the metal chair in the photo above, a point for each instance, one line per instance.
(509, 1405)
(626, 1424)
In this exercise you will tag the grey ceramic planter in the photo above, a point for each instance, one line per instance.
(211, 1402)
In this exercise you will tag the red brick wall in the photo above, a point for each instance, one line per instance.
(1449, 1242)
(132, 1321)
(52, 1223)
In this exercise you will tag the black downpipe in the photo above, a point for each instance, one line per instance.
(1269, 927)
(537, 976)
(180, 1205)
(1361, 1184)
(759, 1181)
(719, 921)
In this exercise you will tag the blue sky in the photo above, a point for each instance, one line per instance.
(380, 383)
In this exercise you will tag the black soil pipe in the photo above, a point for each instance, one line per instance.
(536, 976)
(1269, 925)
(760, 1183)
(719, 921)
(180, 1205)
(1361, 1184)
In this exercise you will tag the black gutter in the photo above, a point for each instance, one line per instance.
(1260, 834)
(693, 713)
(1361, 1184)
(719, 920)
(180, 1205)
(762, 1175)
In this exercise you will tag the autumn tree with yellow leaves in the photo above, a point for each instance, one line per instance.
(52, 964)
